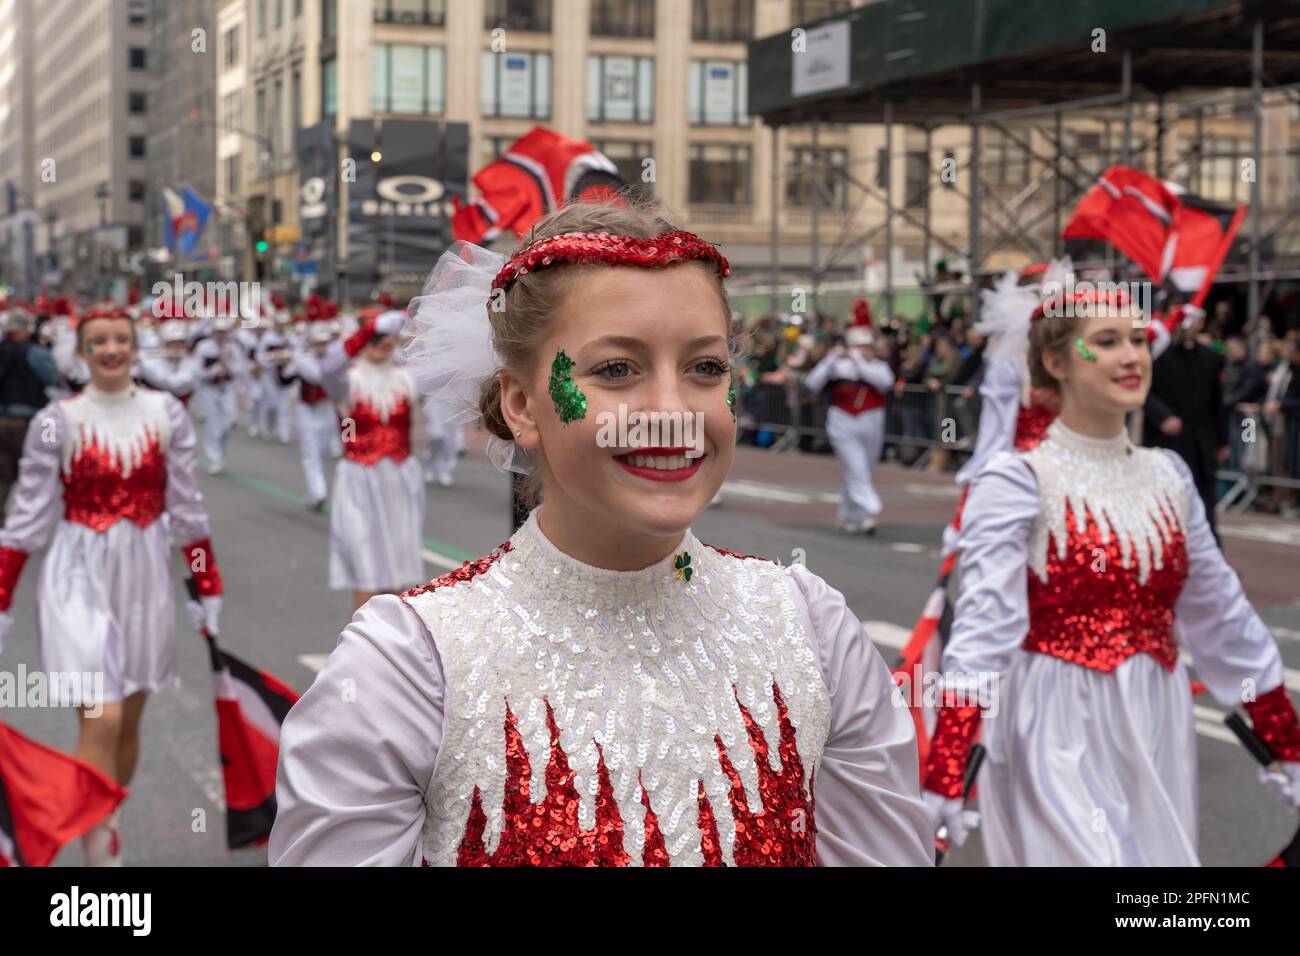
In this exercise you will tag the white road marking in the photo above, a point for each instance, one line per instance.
(313, 662)
(908, 548)
(946, 492)
(439, 560)
(765, 492)
(1285, 534)
(1285, 633)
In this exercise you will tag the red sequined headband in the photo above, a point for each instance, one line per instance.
(590, 248)
(1112, 297)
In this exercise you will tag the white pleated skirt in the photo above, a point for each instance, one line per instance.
(105, 606)
(1086, 768)
(376, 517)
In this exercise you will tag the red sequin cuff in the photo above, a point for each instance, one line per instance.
(1273, 718)
(357, 341)
(202, 564)
(954, 735)
(11, 566)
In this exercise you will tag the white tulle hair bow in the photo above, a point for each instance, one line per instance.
(451, 353)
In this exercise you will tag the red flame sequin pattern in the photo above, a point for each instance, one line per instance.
(1093, 611)
(782, 833)
(95, 493)
(372, 438)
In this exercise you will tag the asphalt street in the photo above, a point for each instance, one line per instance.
(280, 616)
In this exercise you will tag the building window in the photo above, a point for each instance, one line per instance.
(261, 17)
(329, 14)
(623, 18)
(137, 13)
(723, 20)
(630, 159)
(917, 178)
(801, 187)
(806, 11)
(135, 147)
(516, 84)
(232, 47)
(295, 103)
(1003, 161)
(532, 15)
(275, 133)
(620, 89)
(718, 91)
(137, 58)
(232, 110)
(432, 13)
(135, 102)
(329, 87)
(407, 79)
(279, 13)
(135, 190)
(297, 8)
(719, 174)
(259, 113)
(232, 175)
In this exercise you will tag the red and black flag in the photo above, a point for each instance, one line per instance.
(921, 656)
(251, 706)
(47, 798)
(541, 172)
(1178, 239)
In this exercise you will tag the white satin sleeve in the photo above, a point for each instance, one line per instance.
(334, 371)
(179, 380)
(821, 372)
(187, 514)
(868, 798)
(999, 408)
(358, 750)
(874, 372)
(33, 504)
(1231, 647)
(991, 616)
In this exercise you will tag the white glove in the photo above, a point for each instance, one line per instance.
(390, 322)
(205, 614)
(952, 813)
(6, 622)
(1191, 314)
(1284, 784)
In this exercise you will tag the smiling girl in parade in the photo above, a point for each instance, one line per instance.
(124, 458)
(603, 688)
(377, 512)
(1086, 564)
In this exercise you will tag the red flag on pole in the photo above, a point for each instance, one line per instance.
(47, 798)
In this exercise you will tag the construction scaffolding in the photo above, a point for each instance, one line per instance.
(1202, 92)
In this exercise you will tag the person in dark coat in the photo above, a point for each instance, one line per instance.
(26, 369)
(1184, 412)
(1245, 386)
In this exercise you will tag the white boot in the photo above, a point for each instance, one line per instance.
(103, 844)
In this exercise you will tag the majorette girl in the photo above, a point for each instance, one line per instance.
(1086, 563)
(377, 512)
(123, 457)
(604, 688)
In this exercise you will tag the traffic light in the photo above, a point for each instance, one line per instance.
(261, 246)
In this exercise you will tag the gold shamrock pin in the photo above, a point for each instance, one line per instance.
(682, 566)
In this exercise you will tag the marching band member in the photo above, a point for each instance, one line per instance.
(121, 457)
(1086, 564)
(691, 706)
(855, 421)
(221, 363)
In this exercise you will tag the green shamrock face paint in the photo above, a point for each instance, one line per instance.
(570, 403)
(731, 401)
(1088, 356)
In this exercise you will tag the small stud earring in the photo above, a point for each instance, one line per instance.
(518, 433)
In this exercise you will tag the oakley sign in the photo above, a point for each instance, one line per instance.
(408, 195)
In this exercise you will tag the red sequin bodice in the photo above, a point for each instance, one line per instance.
(367, 437)
(96, 494)
(1031, 425)
(1093, 611)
